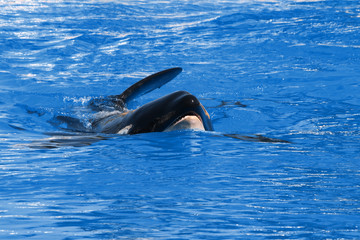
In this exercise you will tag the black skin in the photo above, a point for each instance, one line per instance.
(155, 116)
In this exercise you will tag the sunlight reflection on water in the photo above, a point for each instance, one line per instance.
(283, 69)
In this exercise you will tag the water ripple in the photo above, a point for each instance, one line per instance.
(280, 69)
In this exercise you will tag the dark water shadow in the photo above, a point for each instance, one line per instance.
(57, 140)
(79, 139)
(256, 138)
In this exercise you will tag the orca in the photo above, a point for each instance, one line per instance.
(179, 110)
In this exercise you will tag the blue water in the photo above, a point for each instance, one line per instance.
(293, 65)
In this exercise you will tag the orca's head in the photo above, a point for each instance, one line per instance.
(176, 111)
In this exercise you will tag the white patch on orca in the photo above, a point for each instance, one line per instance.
(125, 130)
(187, 122)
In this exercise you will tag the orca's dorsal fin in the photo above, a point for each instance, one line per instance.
(146, 85)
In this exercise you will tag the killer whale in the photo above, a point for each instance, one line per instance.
(176, 111)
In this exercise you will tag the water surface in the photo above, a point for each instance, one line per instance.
(283, 69)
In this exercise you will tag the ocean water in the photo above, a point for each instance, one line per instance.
(281, 69)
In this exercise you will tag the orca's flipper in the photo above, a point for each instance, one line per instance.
(146, 85)
(142, 87)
